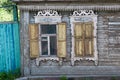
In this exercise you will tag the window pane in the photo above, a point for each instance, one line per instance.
(53, 45)
(44, 47)
(48, 29)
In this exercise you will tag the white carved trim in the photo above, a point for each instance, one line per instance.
(47, 16)
(83, 17)
(83, 13)
(38, 60)
(83, 58)
(47, 13)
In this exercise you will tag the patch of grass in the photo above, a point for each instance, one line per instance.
(11, 75)
(63, 78)
(113, 78)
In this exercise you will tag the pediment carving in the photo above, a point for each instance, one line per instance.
(83, 13)
(47, 13)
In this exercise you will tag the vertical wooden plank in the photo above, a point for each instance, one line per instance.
(79, 50)
(25, 43)
(89, 39)
(88, 30)
(78, 30)
(91, 48)
(79, 39)
(61, 40)
(2, 61)
(34, 40)
(1, 29)
(9, 45)
(12, 49)
(0, 47)
(16, 38)
(61, 32)
(8, 49)
(5, 46)
(87, 47)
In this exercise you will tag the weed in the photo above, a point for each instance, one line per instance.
(11, 75)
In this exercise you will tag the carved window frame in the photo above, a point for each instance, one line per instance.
(84, 16)
(47, 17)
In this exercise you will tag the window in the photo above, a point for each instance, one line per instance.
(84, 42)
(48, 40)
(49, 37)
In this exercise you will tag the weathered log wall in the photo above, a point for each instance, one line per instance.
(108, 43)
(108, 38)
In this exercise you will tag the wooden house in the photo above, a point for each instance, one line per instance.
(75, 38)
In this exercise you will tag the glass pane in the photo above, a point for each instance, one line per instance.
(48, 29)
(53, 45)
(44, 47)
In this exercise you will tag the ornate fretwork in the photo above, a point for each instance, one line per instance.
(47, 16)
(83, 13)
(47, 13)
(38, 60)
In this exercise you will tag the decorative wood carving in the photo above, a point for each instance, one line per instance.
(83, 13)
(38, 60)
(84, 16)
(47, 13)
(47, 16)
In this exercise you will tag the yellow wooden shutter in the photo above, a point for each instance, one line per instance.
(79, 39)
(88, 30)
(79, 47)
(61, 40)
(89, 39)
(34, 40)
(78, 30)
